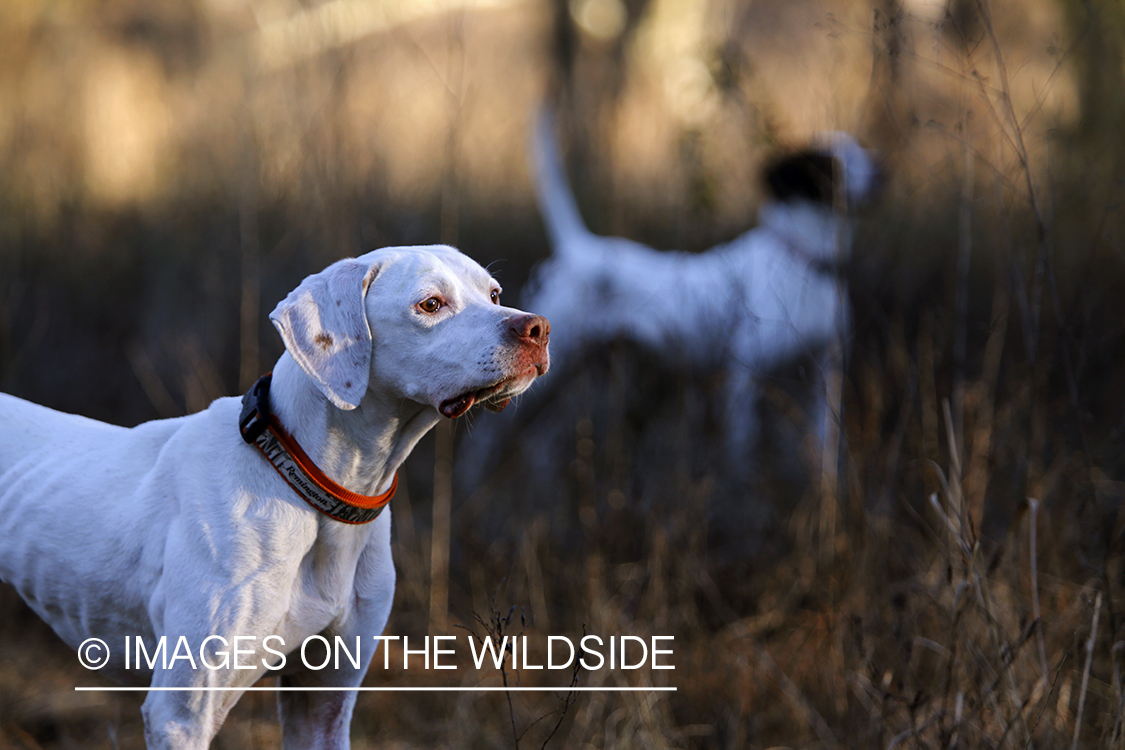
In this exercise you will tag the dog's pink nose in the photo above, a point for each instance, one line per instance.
(531, 329)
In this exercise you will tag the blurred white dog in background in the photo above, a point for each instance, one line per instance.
(770, 297)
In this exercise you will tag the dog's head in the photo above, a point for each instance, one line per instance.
(835, 172)
(421, 323)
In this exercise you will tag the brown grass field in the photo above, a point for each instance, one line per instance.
(170, 170)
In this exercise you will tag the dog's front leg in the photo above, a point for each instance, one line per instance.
(211, 636)
(320, 719)
(184, 720)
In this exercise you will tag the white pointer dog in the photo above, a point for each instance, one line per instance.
(179, 527)
(767, 298)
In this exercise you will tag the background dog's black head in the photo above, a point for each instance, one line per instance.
(806, 175)
(822, 175)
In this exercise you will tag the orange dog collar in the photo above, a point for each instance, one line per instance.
(260, 427)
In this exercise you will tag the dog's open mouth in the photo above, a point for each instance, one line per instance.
(493, 397)
(455, 407)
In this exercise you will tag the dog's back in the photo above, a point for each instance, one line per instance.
(29, 427)
(762, 297)
(79, 469)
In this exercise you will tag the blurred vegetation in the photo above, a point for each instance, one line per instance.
(171, 170)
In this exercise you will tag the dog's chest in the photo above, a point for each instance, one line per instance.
(328, 577)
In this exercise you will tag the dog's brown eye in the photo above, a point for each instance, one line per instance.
(495, 296)
(430, 305)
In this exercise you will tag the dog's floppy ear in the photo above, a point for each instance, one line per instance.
(808, 175)
(325, 329)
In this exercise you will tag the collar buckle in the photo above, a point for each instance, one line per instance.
(255, 415)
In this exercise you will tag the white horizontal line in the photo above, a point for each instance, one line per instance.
(279, 689)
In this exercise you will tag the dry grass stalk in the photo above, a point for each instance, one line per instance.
(1090, 643)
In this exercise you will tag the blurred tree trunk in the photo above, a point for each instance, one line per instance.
(1099, 28)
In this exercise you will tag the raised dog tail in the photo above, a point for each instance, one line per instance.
(556, 200)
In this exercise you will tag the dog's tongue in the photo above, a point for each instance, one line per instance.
(455, 407)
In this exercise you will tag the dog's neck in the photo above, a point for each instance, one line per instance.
(810, 230)
(360, 449)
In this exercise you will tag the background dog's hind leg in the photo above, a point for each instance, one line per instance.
(743, 425)
(827, 415)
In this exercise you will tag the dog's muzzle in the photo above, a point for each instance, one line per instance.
(530, 335)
